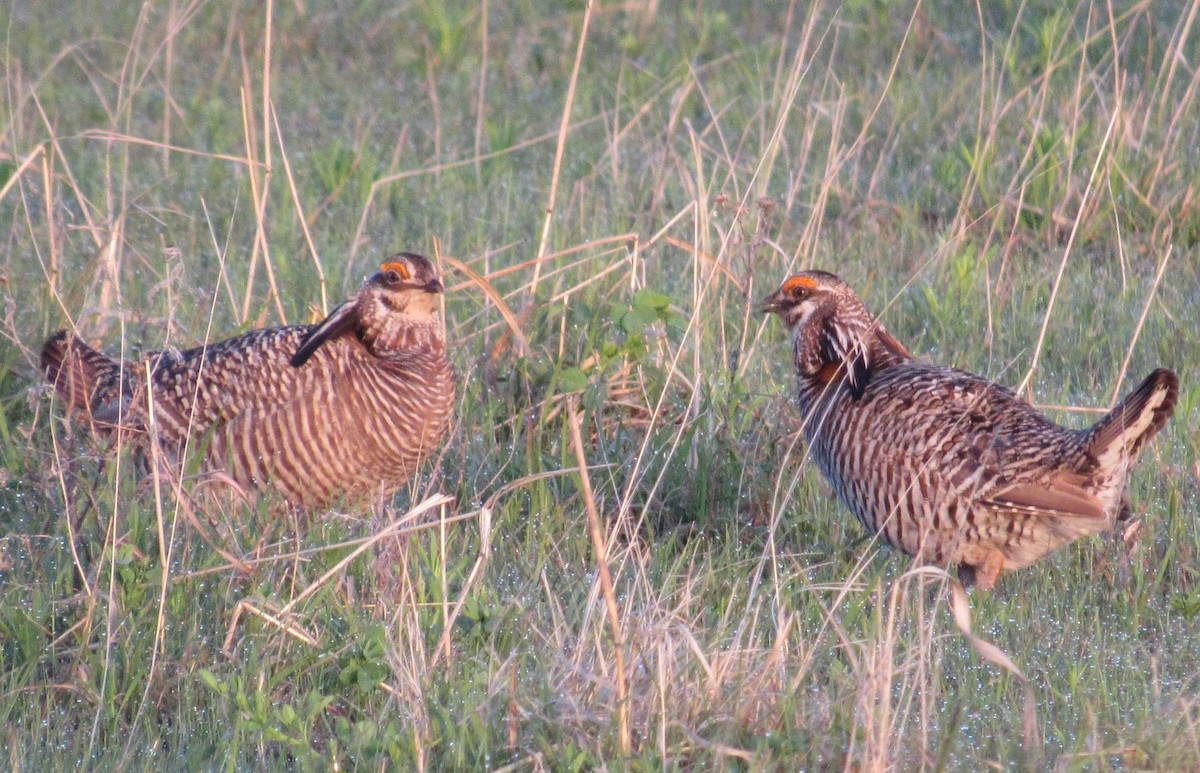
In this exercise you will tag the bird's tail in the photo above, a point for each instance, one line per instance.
(1122, 433)
(81, 375)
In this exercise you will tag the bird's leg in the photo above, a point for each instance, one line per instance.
(988, 571)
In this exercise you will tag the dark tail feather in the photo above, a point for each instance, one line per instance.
(1135, 420)
(77, 371)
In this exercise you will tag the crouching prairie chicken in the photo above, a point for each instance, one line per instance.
(947, 466)
(344, 408)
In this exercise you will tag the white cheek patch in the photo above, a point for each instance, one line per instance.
(798, 315)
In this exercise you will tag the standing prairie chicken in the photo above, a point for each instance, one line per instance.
(348, 407)
(947, 466)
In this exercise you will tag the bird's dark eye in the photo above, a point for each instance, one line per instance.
(393, 277)
(799, 287)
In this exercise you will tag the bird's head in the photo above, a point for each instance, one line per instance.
(834, 336)
(406, 283)
(401, 295)
(799, 297)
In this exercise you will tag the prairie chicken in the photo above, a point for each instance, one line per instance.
(347, 407)
(947, 466)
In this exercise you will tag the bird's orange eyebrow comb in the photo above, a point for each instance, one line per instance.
(799, 281)
(398, 267)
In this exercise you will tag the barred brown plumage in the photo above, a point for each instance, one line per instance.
(947, 466)
(348, 407)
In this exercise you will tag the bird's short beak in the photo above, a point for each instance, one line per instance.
(772, 304)
(433, 286)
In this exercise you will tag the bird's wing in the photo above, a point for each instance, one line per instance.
(1006, 456)
(201, 388)
(1063, 495)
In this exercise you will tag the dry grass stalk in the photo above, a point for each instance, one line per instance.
(601, 552)
(563, 127)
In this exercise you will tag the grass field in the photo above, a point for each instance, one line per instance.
(609, 189)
